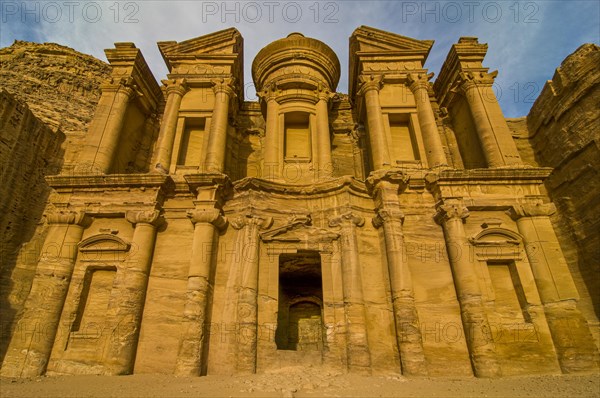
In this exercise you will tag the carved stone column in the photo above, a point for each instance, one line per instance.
(324, 164)
(408, 332)
(176, 89)
(217, 139)
(570, 332)
(418, 84)
(369, 88)
(451, 215)
(105, 131)
(29, 350)
(272, 151)
(125, 309)
(497, 144)
(359, 357)
(191, 348)
(247, 305)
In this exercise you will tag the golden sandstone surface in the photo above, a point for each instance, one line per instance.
(404, 228)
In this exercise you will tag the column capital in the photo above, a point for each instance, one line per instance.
(270, 92)
(417, 81)
(151, 217)
(68, 217)
(531, 210)
(252, 219)
(369, 82)
(323, 94)
(208, 216)
(122, 85)
(347, 219)
(451, 209)
(387, 215)
(396, 177)
(175, 86)
(468, 80)
(224, 85)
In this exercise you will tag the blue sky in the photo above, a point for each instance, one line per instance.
(527, 39)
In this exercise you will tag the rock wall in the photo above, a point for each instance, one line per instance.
(30, 150)
(564, 134)
(60, 85)
(48, 97)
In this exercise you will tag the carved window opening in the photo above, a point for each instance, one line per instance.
(297, 136)
(300, 319)
(403, 147)
(94, 301)
(190, 150)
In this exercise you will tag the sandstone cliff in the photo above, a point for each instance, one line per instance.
(60, 85)
(564, 133)
(48, 94)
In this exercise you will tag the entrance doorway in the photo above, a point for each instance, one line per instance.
(300, 320)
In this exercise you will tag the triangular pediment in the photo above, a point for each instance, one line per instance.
(367, 39)
(226, 42)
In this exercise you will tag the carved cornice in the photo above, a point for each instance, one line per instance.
(337, 184)
(347, 219)
(68, 182)
(208, 216)
(68, 217)
(451, 209)
(151, 217)
(387, 215)
(531, 210)
(518, 175)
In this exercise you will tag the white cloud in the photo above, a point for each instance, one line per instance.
(522, 49)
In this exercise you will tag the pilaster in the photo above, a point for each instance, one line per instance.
(358, 354)
(29, 352)
(175, 90)
(570, 332)
(451, 215)
(369, 89)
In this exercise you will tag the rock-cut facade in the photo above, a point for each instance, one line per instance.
(395, 229)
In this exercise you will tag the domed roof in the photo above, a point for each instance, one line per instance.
(299, 59)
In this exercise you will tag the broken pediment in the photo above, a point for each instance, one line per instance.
(225, 44)
(367, 39)
(374, 51)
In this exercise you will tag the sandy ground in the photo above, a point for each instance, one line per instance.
(300, 383)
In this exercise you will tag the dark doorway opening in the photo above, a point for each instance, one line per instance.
(300, 320)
